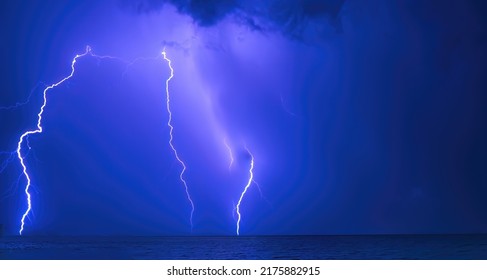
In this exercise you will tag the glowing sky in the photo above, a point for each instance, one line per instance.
(361, 116)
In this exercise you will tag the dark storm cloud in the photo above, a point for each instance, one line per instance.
(203, 12)
(183, 46)
(288, 17)
(291, 17)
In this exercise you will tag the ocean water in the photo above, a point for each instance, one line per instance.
(257, 247)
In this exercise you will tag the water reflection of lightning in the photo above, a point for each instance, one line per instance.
(171, 128)
(247, 186)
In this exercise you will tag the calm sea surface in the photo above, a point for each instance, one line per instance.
(261, 247)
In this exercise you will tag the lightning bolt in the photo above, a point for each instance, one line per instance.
(247, 186)
(171, 128)
(39, 129)
(230, 153)
(12, 154)
(24, 138)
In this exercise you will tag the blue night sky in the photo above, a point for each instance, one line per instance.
(362, 117)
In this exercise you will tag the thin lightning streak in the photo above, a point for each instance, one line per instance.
(39, 130)
(262, 196)
(7, 161)
(171, 128)
(284, 107)
(10, 191)
(249, 183)
(229, 152)
(129, 64)
(11, 156)
(19, 104)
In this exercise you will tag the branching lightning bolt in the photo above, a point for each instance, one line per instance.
(171, 128)
(24, 141)
(24, 138)
(26, 134)
(249, 183)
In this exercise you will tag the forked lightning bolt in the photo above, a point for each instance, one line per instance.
(171, 128)
(39, 130)
(24, 137)
(249, 183)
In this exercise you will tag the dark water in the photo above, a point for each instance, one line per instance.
(262, 247)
